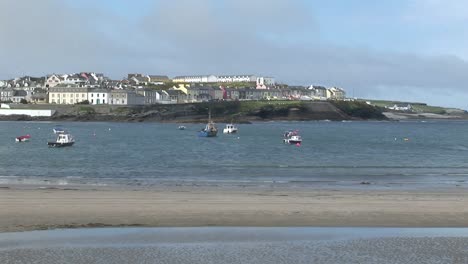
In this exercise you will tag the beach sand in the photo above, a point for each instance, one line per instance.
(24, 209)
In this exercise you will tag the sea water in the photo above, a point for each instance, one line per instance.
(407, 153)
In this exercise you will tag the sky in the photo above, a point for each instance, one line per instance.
(410, 50)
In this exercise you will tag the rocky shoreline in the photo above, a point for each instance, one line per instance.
(224, 112)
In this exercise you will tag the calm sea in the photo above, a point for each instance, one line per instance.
(333, 153)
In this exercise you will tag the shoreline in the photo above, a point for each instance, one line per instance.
(24, 209)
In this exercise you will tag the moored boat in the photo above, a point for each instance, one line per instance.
(210, 129)
(63, 140)
(230, 129)
(24, 138)
(182, 127)
(292, 137)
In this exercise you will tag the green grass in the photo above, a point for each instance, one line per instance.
(417, 107)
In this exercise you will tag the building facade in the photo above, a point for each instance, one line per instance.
(125, 97)
(98, 96)
(68, 95)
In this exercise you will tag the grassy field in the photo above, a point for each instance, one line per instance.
(417, 107)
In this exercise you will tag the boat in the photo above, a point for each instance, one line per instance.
(182, 127)
(292, 137)
(230, 129)
(63, 140)
(23, 138)
(210, 129)
(58, 130)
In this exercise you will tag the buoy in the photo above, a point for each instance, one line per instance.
(406, 139)
(298, 144)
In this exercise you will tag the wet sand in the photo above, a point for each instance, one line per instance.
(237, 245)
(23, 209)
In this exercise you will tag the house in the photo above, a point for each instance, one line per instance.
(98, 96)
(401, 107)
(53, 80)
(231, 94)
(125, 97)
(39, 96)
(93, 78)
(68, 95)
(162, 97)
(216, 93)
(265, 82)
(6, 94)
(176, 96)
(151, 96)
(77, 79)
(19, 95)
(158, 79)
(195, 79)
(237, 78)
(318, 92)
(336, 93)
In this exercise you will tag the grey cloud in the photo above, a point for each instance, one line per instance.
(278, 38)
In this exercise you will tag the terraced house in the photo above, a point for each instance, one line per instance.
(68, 95)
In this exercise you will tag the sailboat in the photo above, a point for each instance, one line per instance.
(210, 129)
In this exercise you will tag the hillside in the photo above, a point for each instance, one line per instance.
(238, 111)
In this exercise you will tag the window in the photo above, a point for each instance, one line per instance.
(91, 95)
(53, 95)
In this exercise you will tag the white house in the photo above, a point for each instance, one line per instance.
(265, 82)
(336, 93)
(195, 79)
(53, 80)
(98, 96)
(236, 78)
(401, 107)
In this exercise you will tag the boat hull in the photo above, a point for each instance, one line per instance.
(294, 142)
(59, 145)
(227, 131)
(207, 134)
(21, 139)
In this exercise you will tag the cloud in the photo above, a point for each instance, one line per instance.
(49, 36)
(277, 37)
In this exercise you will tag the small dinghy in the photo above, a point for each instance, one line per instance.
(24, 138)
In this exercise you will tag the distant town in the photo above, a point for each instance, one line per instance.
(142, 89)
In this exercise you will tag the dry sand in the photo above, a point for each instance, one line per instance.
(32, 209)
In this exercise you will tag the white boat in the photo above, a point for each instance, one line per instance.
(230, 129)
(182, 127)
(63, 140)
(292, 137)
